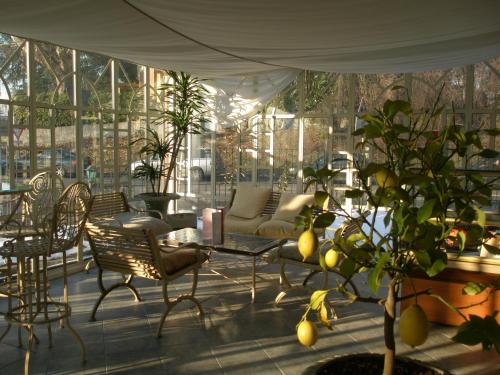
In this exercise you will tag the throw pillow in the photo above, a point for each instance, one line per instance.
(249, 201)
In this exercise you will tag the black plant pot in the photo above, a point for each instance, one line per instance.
(371, 364)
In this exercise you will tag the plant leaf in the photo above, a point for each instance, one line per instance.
(425, 211)
(317, 298)
(481, 216)
(320, 197)
(347, 267)
(492, 249)
(376, 274)
(477, 330)
(323, 316)
(488, 153)
(472, 288)
(355, 193)
(324, 220)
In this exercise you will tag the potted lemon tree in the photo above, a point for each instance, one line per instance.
(159, 154)
(423, 188)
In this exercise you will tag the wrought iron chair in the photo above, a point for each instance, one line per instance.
(34, 304)
(114, 208)
(36, 205)
(29, 221)
(136, 253)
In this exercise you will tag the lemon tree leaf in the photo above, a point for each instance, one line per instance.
(320, 197)
(347, 267)
(355, 193)
(472, 288)
(488, 153)
(317, 298)
(309, 172)
(323, 316)
(462, 238)
(376, 274)
(324, 220)
(484, 331)
(481, 216)
(492, 249)
(425, 211)
(322, 262)
(439, 260)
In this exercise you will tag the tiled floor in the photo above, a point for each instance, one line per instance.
(238, 337)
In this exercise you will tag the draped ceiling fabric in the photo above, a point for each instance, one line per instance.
(252, 49)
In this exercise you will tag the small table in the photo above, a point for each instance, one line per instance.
(234, 243)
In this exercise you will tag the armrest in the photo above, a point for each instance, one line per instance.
(190, 245)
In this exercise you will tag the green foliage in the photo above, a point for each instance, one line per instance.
(425, 197)
(477, 330)
(187, 117)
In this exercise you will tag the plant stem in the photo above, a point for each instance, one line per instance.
(389, 318)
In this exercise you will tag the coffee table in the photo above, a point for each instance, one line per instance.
(234, 243)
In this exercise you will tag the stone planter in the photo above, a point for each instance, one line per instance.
(368, 364)
(157, 202)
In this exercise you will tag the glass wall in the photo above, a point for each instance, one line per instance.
(76, 113)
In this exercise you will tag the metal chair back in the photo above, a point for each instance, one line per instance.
(69, 216)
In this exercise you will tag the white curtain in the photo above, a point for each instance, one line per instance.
(240, 43)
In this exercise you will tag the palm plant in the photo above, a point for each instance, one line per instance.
(159, 154)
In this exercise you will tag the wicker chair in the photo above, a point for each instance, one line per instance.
(137, 253)
(29, 284)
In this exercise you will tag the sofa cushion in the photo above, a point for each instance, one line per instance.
(175, 260)
(290, 206)
(278, 229)
(131, 221)
(249, 201)
(239, 225)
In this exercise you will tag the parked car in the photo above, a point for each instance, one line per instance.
(65, 160)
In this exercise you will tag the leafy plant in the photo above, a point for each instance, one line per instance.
(424, 196)
(159, 154)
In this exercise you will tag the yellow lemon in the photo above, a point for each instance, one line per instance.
(308, 243)
(386, 178)
(413, 326)
(332, 258)
(307, 333)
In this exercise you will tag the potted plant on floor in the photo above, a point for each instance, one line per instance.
(424, 196)
(159, 154)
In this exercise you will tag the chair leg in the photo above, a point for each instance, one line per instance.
(284, 284)
(28, 351)
(89, 265)
(75, 334)
(169, 305)
(308, 277)
(283, 279)
(106, 291)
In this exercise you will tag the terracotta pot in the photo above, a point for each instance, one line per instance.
(368, 364)
(158, 202)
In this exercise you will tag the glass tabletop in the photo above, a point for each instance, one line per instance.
(243, 244)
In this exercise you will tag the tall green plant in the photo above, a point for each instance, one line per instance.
(186, 116)
(424, 196)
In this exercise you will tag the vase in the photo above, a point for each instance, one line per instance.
(157, 202)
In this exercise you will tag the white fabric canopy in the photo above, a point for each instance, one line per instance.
(267, 39)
